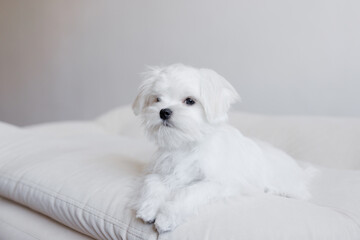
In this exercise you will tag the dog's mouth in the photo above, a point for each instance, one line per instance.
(166, 123)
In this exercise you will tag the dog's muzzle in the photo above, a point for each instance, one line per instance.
(165, 113)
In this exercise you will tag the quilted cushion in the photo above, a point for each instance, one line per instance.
(83, 179)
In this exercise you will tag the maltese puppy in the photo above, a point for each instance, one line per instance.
(200, 158)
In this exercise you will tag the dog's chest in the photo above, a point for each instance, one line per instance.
(178, 168)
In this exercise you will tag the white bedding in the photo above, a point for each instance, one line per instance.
(81, 174)
(20, 223)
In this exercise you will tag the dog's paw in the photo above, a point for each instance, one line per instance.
(165, 223)
(168, 218)
(147, 214)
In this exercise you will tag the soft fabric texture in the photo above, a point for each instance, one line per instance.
(20, 223)
(81, 174)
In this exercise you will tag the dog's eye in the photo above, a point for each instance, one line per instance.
(189, 101)
(157, 99)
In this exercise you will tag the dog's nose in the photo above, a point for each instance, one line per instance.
(165, 113)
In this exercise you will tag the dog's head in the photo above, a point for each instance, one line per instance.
(179, 104)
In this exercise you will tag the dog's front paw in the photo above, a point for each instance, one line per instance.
(165, 223)
(146, 217)
(147, 213)
(168, 218)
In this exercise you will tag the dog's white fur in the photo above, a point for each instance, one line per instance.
(200, 157)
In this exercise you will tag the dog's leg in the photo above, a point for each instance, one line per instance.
(185, 202)
(151, 196)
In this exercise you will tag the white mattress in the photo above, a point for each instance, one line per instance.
(81, 174)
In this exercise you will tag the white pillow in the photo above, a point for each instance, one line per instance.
(80, 181)
(84, 181)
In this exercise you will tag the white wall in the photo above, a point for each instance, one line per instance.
(75, 59)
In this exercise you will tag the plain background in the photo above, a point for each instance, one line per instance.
(76, 59)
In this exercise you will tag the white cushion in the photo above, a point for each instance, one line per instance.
(20, 223)
(80, 181)
(84, 181)
(328, 141)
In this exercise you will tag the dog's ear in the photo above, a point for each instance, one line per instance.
(217, 95)
(143, 98)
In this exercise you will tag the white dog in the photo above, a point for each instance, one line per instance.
(200, 157)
